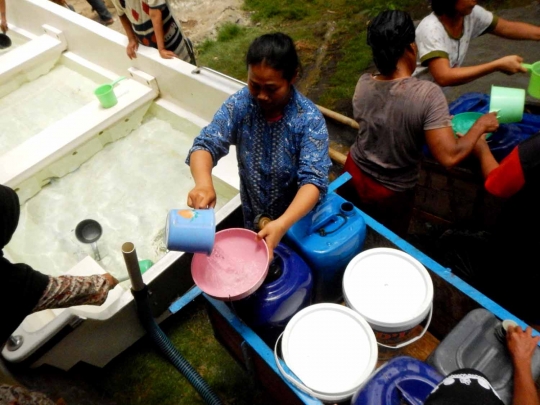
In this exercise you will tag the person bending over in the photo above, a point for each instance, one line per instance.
(153, 24)
(397, 115)
(443, 38)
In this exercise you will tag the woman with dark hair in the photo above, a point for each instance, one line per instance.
(443, 39)
(280, 137)
(397, 115)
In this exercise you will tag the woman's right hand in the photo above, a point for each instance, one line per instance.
(511, 64)
(521, 344)
(201, 197)
(488, 122)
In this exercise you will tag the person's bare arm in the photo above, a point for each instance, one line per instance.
(304, 201)
(522, 346)
(157, 23)
(133, 43)
(203, 195)
(445, 75)
(3, 18)
(516, 30)
(449, 150)
(485, 157)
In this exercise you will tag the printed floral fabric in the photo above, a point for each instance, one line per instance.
(275, 159)
(68, 291)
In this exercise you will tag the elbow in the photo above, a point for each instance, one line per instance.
(449, 161)
(444, 80)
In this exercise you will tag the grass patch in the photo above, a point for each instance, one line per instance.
(141, 376)
(355, 57)
(295, 10)
(308, 23)
(229, 31)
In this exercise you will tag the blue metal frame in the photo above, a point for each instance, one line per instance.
(259, 346)
(267, 354)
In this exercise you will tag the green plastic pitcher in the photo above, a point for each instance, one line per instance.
(508, 102)
(534, 83)
(105, 93)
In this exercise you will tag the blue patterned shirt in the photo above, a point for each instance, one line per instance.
(275, 159)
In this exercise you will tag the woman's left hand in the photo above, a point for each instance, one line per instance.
(272, 234)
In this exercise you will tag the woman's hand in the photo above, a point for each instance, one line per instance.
(510, 64)
(202, 197)
(4, 25)
(272, 234)
(132, 48)
(110, 280)
(521, 345)
(488, 122)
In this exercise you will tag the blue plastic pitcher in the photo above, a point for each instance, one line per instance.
(190, 230)
(328, 238)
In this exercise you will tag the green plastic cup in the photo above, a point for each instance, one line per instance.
(105, 94)
(145, 265)
(534, 83)
(508, 102)
(462, 122)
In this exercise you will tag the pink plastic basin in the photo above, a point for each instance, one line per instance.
(236, 268)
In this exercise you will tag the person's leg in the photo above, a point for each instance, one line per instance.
(101, 9)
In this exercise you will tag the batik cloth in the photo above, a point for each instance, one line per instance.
(275, 159)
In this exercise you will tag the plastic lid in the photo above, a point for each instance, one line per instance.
(388, 287)
(330, 348)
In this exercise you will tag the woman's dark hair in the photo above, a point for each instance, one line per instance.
(277, 51)
(388, 35)
(444, 7)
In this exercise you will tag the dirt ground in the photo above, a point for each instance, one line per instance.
(200, 19)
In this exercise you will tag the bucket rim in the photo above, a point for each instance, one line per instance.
(384, 325)
(369, 365)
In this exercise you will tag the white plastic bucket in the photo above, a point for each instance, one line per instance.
(331, 350)
(393, 291)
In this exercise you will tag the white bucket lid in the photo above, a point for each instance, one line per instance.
(389, 288)
(331, 349)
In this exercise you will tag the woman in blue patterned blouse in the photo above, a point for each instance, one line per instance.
(281, 142)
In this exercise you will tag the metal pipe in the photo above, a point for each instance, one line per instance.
(132, 264)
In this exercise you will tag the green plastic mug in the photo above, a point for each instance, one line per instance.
(508, 102)
(534, 83)
(105, 94)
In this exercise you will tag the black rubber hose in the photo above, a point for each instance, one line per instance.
(169, 351)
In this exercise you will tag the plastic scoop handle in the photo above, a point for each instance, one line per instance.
(117, 80)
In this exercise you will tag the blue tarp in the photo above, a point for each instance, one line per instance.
(507, 136)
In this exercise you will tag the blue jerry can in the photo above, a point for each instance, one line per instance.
(401, 380)
(328, 238)
(287, 289)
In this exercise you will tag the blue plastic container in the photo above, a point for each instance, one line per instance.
(190, 230)
(286, 290)
(328, 238)
(402, 380)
